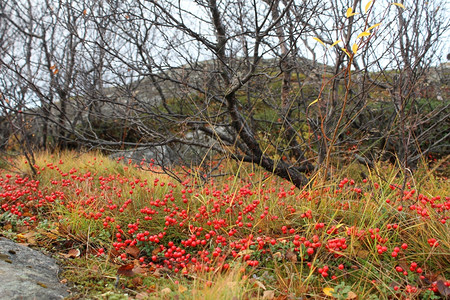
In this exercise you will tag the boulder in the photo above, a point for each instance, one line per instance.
(28, 274)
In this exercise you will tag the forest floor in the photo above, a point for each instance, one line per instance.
(123, 230)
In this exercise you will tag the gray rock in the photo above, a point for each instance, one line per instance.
(28, 274)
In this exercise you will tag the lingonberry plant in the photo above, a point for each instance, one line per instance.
(256, 227)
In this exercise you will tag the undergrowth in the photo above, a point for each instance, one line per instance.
(126, 230)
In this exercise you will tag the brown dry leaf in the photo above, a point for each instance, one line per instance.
(161, 271)
(156, 251)
(269, 295)
(30, 237)
(126, 270)
(7, 227)
(137, 281)
(133, 251)
(182, 288)
(113, 253)
(402, 262)
(141, 295)
(443, 289)
(22, 228)
(351, 295)
(245, 252)
(291, 256)
(277, 255)
(27, 213)
(166, 291)
(95, 268)
(258, 283)
(362, 254)
(139, 270)
(73, 253)
(20, 237)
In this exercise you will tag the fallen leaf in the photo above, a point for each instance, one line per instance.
(73, 253)
(182, 288)
(141, 295)
(328, 291)
(278, 254)
(166, 291)
(269, 295)
(29, 237)
(126, 270)
(351, 295)
(22, 228)
(139, 270)
(259, 284)
(133, 251)
(443, 289)
(137, 281)
(362, 253)
(291, 256)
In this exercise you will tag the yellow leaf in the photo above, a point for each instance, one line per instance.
(182, 288)
(367, 6)
(350, 12)
(313, 102)
(335, 43)
(399, 5)
(328, 291)
(364, 33)
(355, 48)
(317, 39)
(373, 26)
(346, 52)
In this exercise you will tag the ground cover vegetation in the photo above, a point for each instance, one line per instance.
(271, 149)
(122, 230)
